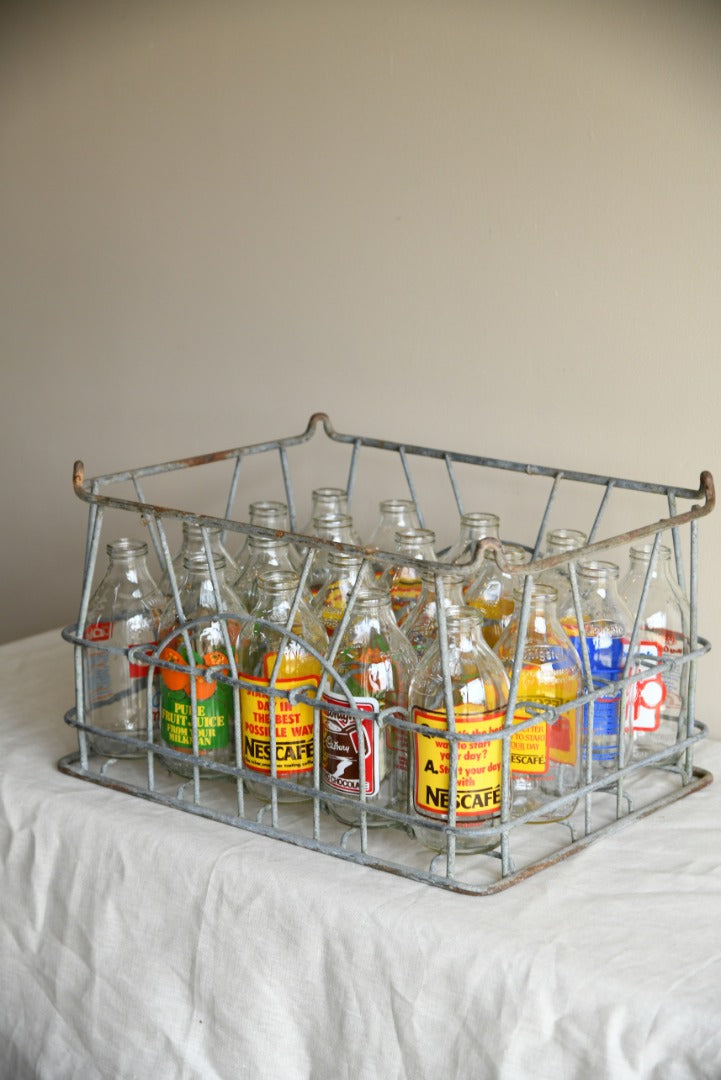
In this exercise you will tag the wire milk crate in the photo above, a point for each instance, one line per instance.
(532, 495)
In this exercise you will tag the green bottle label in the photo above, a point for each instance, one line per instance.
(214, 705)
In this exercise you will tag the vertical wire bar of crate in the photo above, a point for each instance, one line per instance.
(272, 688)
(601, 510)
(693, 644)
(92, 555)
(288, 485)
(350, 482)
(506, 784)
(411, 485)
(150, 518)
(588, 724)
(451, 723)
(330, 659)
(544, 520)
(232, 491)
(230, 648)
(185, 634)
(454, 485)
(167, 559)
(677, 546)
(627, 667)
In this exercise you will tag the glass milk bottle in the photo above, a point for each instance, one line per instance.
(266, 514)
(265, 553)
(491, 593)
(336, 527)
(559, 542)
(331, 600)
(197, 643)
(193, 541)
(404, 580)
(545, 758)
(659, 702)
(123, 612)
(476, 525)
(421, 625)
(479, 688)
(395, 516)
(300, 670)
(375, 661)
(607, 627)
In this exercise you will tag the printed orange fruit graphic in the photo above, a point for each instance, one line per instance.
(174, 680)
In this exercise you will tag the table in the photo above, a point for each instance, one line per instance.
(137, 941)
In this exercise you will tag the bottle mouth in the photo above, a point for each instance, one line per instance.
(198, 560)
(193, 531)
(410, 538)
(642, 552)
(266, 508)
(566, 539)
(595, 570)
(539, 591)
(277, 581)
(458, 615)
(268, 542)
(333, 522)
(514, 555)
(478, 518)
(397, 506)
(126, 545)
(345, 559)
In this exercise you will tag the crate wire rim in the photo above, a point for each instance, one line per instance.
(354, 842)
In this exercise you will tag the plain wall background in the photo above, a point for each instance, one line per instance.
(493, 227)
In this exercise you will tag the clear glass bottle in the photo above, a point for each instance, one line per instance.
(330, 602)
(337, 527)
(200, 631)
(560, 542)
(264, 553)
(607, 627)
(326, 502)
(545, 758)
(193, 541)
(376, 662)
(480, 694)
(421, 624)
(395, 516)
(123, 612)
(491, 593)
(265, 514)
(476, 525)
(404, 580)
(659, 702)
(299, 669)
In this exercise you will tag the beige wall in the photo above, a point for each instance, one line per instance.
(488, 226)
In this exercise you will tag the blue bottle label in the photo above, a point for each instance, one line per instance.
(607, 656)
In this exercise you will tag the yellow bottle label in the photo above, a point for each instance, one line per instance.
(529, 748)
(533, 749)
(293, 721)
(479, 764)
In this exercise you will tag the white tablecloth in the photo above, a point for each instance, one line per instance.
(137, 941)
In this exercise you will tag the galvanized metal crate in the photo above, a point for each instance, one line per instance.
(633, 790)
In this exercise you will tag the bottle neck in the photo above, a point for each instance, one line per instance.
(640, 558)
(561, 541)
(268, 514)
(477, 525)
